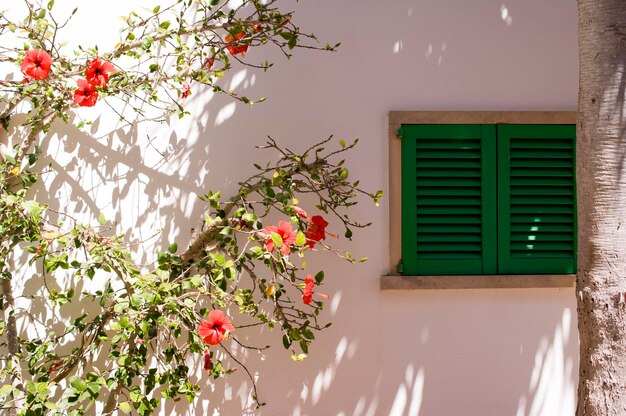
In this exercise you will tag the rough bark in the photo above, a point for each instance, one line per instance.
(601, 178)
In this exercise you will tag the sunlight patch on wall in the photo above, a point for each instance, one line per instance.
(397, 47)
(409, 394)
(322, 383)
(233, 4)
(334, 303)
(238, 79)
(505, 15)
(551, 390)
(225, 113)
(430, 50)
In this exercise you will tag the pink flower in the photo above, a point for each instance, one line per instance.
(36, 64)
(97, 72)
(185, 91)
(300, 212)
(316, 231)
(213, 330)
(86, 95)
(285, 233)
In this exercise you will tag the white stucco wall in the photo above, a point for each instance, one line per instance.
(456, 352)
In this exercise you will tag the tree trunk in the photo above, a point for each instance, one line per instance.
(601, 178)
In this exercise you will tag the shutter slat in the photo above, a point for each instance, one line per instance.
(450, 228)
(448, 144)
(449, 201)
(449, 219)
(448, 173)
(543, 154)
(445, 182)
(536, 144)
(538, 163)
(446, 210)
(541, 182)
(532, 227)
(530, 237)
(552, 255)
(448, 191)
(541, 171)
(552, 190)
(542, 200)
(449, 247)
(542, 246)
(448, 238)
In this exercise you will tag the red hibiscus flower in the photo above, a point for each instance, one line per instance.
(210, 62)
(213, 330)
(234, 46)
(300, 212)
(284, 231)
(207, 361)
(307, 293)
(36, 64)
(97, 72)
(185, 91)
(316, 231)
(86, 94)
(54, 367)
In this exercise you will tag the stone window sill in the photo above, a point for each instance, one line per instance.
(398, 282)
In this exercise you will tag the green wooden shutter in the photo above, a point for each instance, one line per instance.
(536, 199)
(448, 199)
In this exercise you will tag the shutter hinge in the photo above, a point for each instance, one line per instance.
(399, 133)
(400, 267)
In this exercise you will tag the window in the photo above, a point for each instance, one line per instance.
(484, 193)
(488, 199)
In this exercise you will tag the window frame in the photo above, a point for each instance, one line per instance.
(395, 280)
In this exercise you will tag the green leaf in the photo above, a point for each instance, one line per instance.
(156, 9)
(101, 218)
(301, 239)
(342, 143)
(125, 407)
(147, 43)
(249, 217)
(136, 396)
(256, 251)
(5, 390)
(277, 239)
(319, 278)
(218, 259)
(79, 384)
(172, 249)
(51, 406)
(135, 300)
(32, 209)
